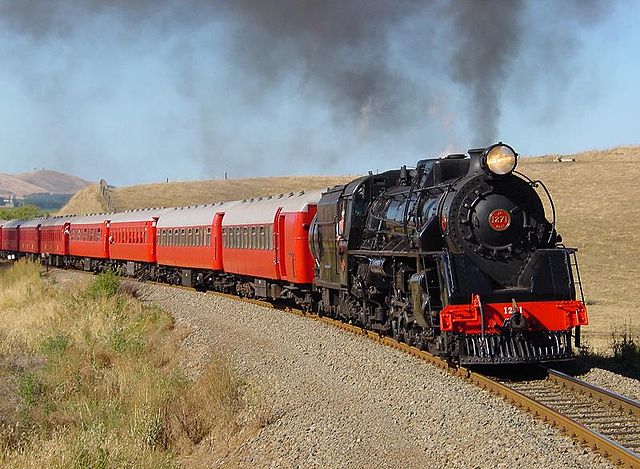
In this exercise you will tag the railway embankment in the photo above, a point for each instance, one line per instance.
(91, 377)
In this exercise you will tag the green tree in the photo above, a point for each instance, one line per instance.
(24, 212)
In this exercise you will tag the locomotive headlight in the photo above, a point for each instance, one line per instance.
(501, 159)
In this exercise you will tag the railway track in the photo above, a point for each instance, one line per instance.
(596, 417)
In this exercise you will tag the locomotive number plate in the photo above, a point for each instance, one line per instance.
(499, 219)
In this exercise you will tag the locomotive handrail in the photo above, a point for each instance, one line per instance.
(535, 184)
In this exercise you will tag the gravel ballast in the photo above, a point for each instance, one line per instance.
(340, 400)
(628, 387)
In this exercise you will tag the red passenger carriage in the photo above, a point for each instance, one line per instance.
(191, 237)
(11, 236)
(54, 235)
(89, 236)
(132, 235)
(268, 237)
(29, 239)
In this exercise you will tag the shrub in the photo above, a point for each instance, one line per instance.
(625, 348)
(105, 285)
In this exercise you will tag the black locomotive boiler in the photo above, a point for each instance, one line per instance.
(455, 256)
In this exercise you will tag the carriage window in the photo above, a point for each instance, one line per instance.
(254, 240)
(261, 238)
(224, 238)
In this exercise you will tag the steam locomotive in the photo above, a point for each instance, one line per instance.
(455, 256)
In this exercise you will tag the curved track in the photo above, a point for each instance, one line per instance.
(605, 421)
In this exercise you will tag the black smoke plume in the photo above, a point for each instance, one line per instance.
(384, 69)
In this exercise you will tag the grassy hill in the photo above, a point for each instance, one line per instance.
(596, 199)
(87, 200)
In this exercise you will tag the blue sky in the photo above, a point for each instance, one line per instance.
(138, 97)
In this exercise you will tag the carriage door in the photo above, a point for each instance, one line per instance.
(278, 245)
(65, 238)
(216, 240)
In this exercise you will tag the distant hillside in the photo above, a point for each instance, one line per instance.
(44, 181)
(195, 192)
(12, 185)
(54, 182)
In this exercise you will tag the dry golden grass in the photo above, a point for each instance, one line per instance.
(91, 379)
(87, 200)
(175, 194)
(597, 199)
(198, 192)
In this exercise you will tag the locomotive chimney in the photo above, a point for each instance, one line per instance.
(404, 176)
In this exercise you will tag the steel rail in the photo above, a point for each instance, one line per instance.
(615, 400)
(578, 431)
